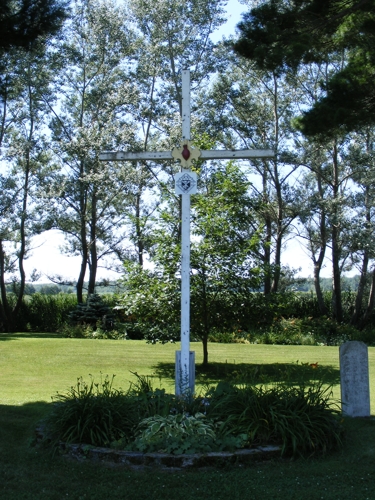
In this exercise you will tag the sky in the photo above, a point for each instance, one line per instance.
(48, 259)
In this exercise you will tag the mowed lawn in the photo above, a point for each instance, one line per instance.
(34, 368)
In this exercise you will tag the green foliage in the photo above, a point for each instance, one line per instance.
(49, 289)
(301, 419)
(280, 36)
(74, 331)
(296, 331)
(261, 311)
(93, 413)
(311, 331)
(151, 304)
(43, 313)
(238, 337)
(153, 402)
(223, 268)
(184, 434)
(95, 310)
(14, 288)
(24, 22)
(367, 335)
(287, 318)
(176, 434)
(98, 414)
(47, 313)
(83, 330)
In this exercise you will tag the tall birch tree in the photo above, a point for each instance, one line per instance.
(26, 166)
(248, 108)
(95, 89)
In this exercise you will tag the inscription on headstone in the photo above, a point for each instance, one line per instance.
(354, 375)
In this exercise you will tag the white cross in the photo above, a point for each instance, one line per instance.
(185, 186)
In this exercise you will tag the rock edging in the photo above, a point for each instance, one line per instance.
(166, 461)
(138, 460)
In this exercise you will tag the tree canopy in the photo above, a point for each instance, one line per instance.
(281, 35)
(23, 21)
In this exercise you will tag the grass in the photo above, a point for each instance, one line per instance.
(34, 368)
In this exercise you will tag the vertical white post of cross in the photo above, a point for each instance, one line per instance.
(186, 380)
(186, 184)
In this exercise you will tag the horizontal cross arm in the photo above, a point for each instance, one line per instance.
(219, 154)
(144, 155)
(229, 154)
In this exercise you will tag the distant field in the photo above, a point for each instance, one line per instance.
(33, 368)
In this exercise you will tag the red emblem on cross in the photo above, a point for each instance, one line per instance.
(185, 153)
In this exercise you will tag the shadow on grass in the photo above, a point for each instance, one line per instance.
(30, 335)
(32, 473)
(293, 373)
(17, 425)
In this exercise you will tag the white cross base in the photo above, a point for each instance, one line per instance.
(186, 184)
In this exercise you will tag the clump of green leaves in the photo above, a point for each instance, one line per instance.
(98, 414)
(93, 413)
(87, 331)
(294, 331)
(309, 331)
(184, 434)
(181, 433)
(46, 313)
(302, 419)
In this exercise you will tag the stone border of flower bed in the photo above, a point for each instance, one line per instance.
(138, 460)
(134, 459)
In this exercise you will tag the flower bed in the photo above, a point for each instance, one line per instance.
(228, 421)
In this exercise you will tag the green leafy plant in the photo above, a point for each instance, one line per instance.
(302, 419)
(93, 413)
(177, 434)
(87, 331)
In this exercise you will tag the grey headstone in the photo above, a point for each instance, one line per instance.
(354, 374)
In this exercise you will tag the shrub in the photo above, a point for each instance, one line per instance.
(74, 331)
(238, 337)
(83, 330)
(95, 310)
(98, 414)
(47, 313)
(367, 335)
